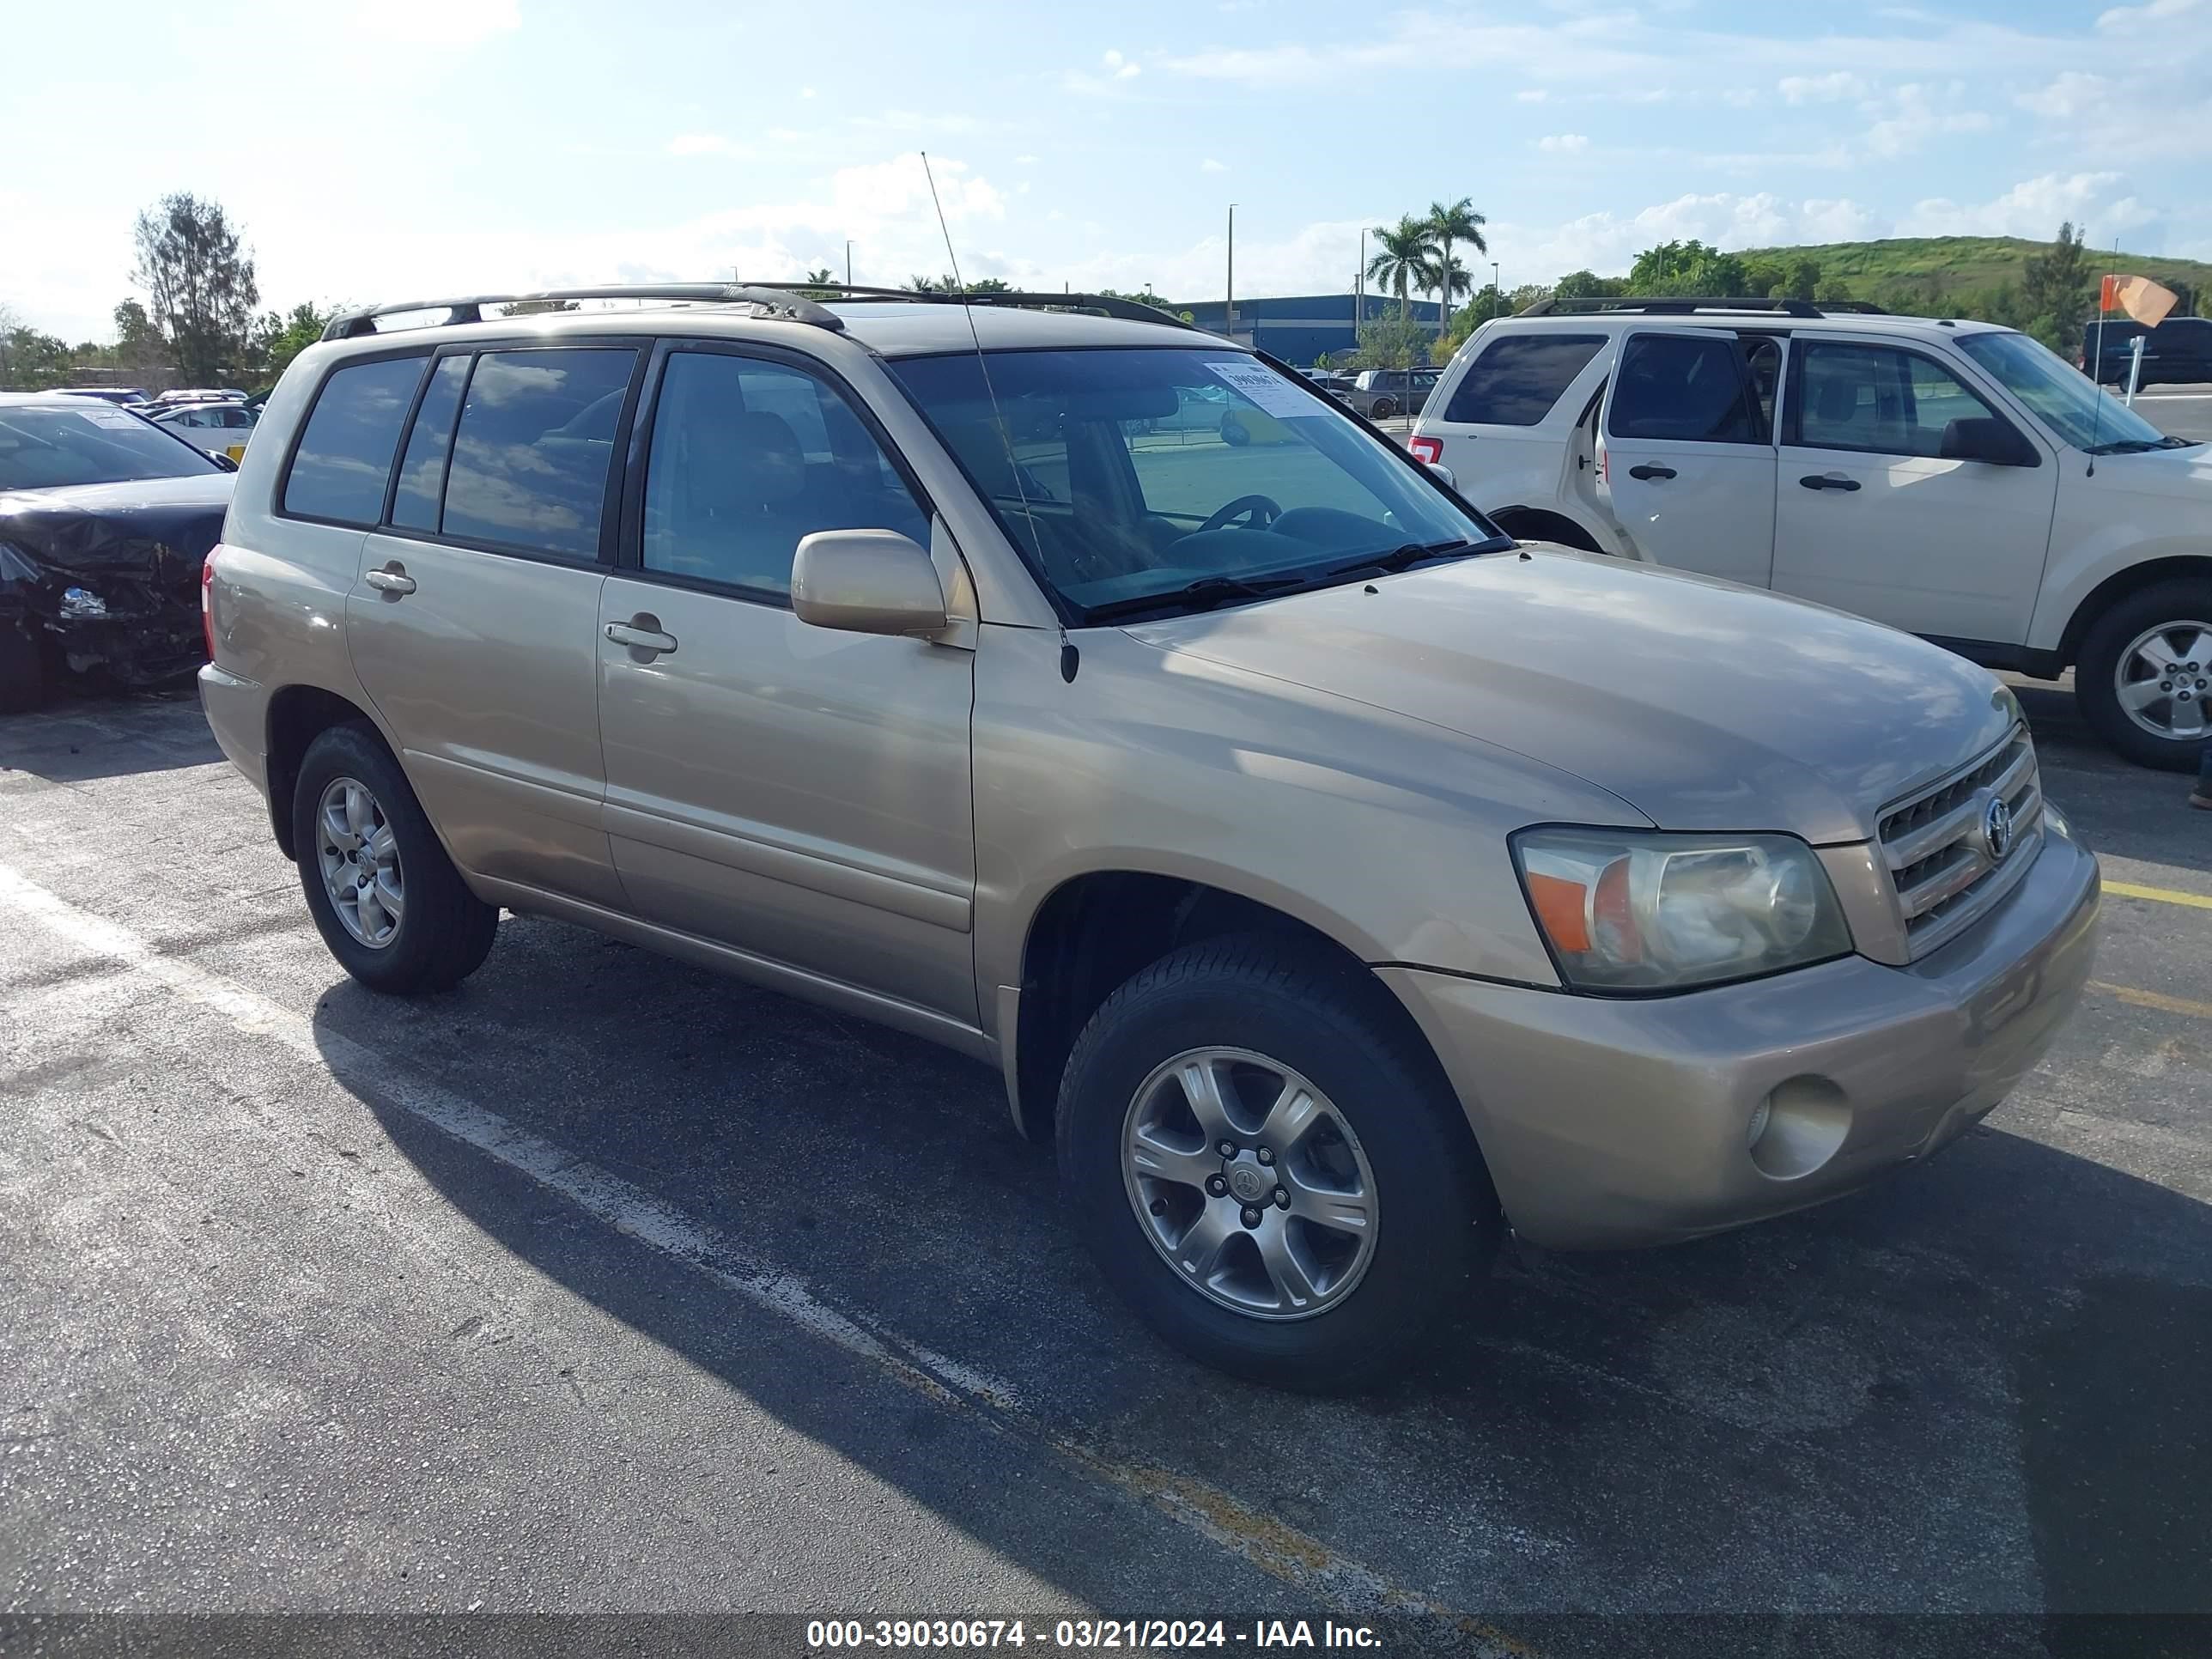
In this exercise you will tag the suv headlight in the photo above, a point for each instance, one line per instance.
(1628, 910)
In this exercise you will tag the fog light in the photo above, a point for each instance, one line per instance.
(1759, 1113)
(1798, 1127)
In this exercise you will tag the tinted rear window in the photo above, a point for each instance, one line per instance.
(1519, 377)
(345, 454)
(532, 453)
(1688, 388)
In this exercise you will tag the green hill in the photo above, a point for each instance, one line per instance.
(1964, 264)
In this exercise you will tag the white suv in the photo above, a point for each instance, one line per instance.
(1948, 477)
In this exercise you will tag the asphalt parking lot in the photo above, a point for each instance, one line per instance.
(601, 1283)
(2184, 411)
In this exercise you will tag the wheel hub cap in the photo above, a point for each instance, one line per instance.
(2163, 677)
(359, 858)
(1249, 1183)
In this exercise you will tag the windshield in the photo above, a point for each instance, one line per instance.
(47, 446)
(2063, 396)
(1171, 478)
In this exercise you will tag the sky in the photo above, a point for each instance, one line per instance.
(381, 149)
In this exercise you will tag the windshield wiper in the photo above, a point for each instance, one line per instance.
(1402, 558)
(1201, 595)
(2140, 446)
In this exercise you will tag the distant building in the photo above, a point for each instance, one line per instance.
(1300, 328)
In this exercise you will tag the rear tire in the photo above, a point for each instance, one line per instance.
(1385, 1142)
(2113, 649)
(426, 931)
(1383, 409)
(22, 676)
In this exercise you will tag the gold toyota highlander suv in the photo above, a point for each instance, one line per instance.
(1338, 880)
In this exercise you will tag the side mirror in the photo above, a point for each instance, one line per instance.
(866, 581)
(1442, 472)
(1983, 438)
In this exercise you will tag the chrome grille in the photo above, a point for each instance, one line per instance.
(1938, 856)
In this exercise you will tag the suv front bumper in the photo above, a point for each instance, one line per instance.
(1614, 1122)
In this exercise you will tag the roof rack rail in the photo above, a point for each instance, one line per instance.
(772, 301)
(1134, 311)
(1678, 304)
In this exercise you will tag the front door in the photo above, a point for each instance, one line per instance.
(1686, 457)
(799, 794)
(471, 624)
(1870, 519)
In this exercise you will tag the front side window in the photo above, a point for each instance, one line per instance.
(534, 447)
(1167, 477)
(344, 457)
(1685, 387)
(1877, 398)
(2065, 397)
(1519, 377)
(750, 457)
(48, 447)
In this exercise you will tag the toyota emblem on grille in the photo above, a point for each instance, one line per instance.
(1996, 828)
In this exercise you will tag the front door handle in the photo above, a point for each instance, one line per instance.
(1828, 480)
(392, 579)
(642, 635)
(1647, 471)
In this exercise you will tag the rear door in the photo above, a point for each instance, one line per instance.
(1686, 453)
(1870, 519)
(473, 622)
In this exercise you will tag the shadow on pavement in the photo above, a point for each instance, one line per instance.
(81, 739)
(1979, 1386)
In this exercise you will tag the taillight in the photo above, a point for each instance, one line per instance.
(1427, 450)
(207, 598)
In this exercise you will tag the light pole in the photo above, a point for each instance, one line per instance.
(848, 262)
(1497, 292)
(1229, 303)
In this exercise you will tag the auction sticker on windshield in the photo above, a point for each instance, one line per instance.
(1270, 391)
(109, 417)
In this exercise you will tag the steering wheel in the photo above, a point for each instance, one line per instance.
(1258, 512)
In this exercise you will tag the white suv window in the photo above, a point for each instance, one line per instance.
(1685, 388)
(1519, 377)
(1878, 399)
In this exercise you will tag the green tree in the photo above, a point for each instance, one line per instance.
(950, 284)
(1828, 289)
(278, 339)
(1450, 222)
(1393, 343)
(2057, 290)
(1586, 285)
(30, 361)
(193, 265)
(817, 287)
(1687, 268)
(139, 343)
(1403, 257)
(1146, 297)
(1804, 281)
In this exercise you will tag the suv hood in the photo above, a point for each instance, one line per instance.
(1704, 705)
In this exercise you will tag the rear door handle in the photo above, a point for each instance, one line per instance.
(392, 579)
(1647, 471)
(1828, 480)
(642, 635)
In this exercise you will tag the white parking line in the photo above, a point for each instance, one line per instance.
(1260, 1538)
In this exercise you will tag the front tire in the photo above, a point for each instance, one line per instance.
(388, 902)
(2145, 674)
(1360, 1219)
(1383, 409)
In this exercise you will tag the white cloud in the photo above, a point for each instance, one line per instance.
(1567, 143)
(449, 23)
(2157, 11)
(806, 92)
(786, 135)
(1024, 161)
(1115, 70)
(1532, 94)
(1209, 165)
(704, 143)
(1121, 68)
(1821, 88)
(2035, 207)
(1913, 114)
(2072, 93)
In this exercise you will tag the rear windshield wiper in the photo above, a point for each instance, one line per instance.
(1401, 558)
(1201, 595)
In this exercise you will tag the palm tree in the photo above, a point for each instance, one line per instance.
(1456, 221)
(1446, 277)
(1403, 260)
(822, 277)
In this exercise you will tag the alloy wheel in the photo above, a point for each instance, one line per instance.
(359, 857)
(2163, 679)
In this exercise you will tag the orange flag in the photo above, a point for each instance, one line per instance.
(2140, 297)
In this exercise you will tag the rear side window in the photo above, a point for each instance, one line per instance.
(422, 470)
(344, 457)
(534, 447)
(1682, 387)
(1519, 377)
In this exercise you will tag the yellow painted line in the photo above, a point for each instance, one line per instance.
(2163, 895)
(2157, 1000)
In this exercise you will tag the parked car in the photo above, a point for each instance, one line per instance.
(218, 426)
(1951, 478)
(107, 394)
(1380, 393)
(2178, 351)
(1681, 905)
(104, 521)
